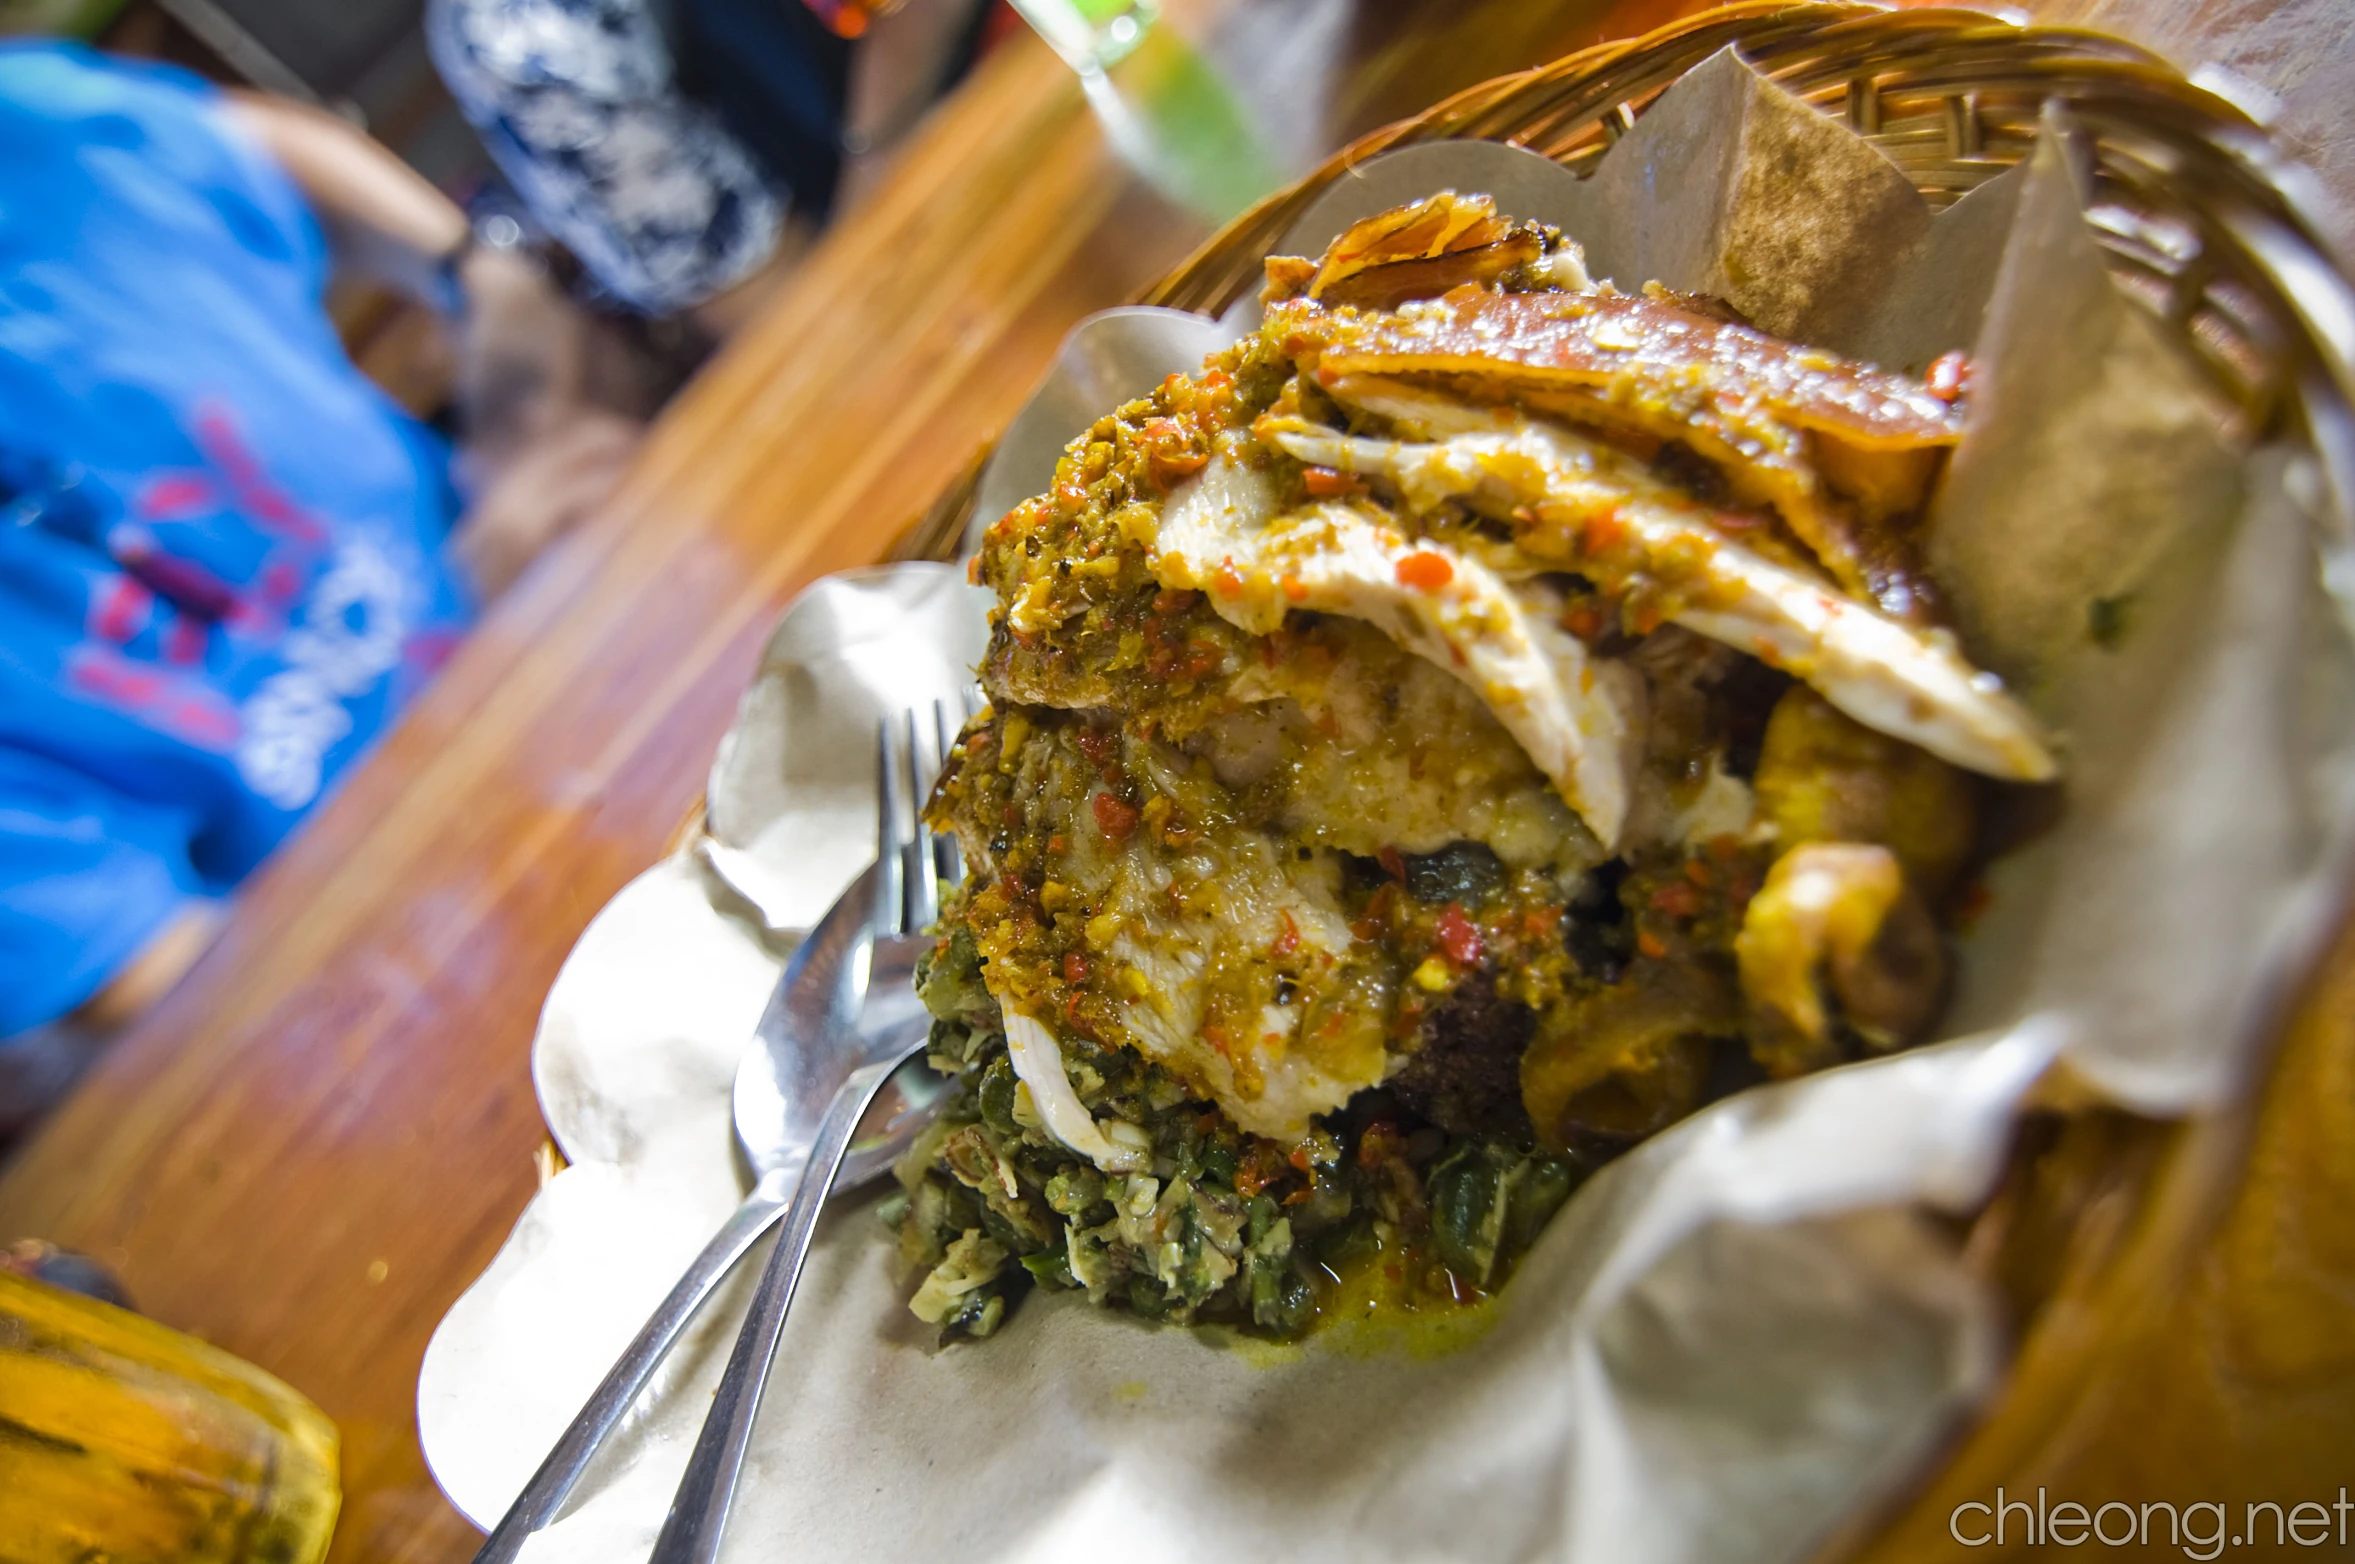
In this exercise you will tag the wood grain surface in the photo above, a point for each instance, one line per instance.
(312, 1147)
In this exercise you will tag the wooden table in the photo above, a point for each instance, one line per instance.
(325, 1133)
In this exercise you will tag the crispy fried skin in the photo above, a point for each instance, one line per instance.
(1421, 251)
(1614, 342)
(1763, 409)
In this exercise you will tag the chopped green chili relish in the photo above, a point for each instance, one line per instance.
(1223, 1227)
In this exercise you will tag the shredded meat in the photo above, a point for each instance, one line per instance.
(1465, 1072)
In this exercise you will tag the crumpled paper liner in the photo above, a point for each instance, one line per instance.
(790, 810)
(1737, 1339)
(636, 1051)
(2155, 595)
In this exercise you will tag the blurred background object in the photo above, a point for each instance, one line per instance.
(660, 194)
(684, 152)
(851, 18)
(1180, 121)
(134, 1444)
(40, 1261)
(363, 60)
(227, 561)
(653, 173)
(1091, 35)
(62, 18)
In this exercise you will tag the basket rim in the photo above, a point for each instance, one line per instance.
(2120, 94)
(2123, 99)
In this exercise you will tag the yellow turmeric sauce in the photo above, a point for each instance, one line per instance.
(1380, 1307)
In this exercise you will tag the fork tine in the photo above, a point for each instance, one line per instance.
(944, 846)
(944, 730)
(923, 758)
(891, 833)
(923, 899)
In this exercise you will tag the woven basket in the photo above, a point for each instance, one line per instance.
(2205, 222)
(2206, 225)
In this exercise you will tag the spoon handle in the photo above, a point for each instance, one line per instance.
(699, 1511)
(545, 1494)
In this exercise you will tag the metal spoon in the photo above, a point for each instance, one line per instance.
(845, 1077)
(821, 994)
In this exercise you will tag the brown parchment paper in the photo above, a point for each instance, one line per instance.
(1750, 1328)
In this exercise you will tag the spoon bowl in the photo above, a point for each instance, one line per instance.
(840, 979)
(777, 1109)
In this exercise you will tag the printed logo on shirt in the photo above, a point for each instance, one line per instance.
(187, 710)
(349, 636)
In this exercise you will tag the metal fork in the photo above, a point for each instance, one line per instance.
(852, 955)
(914, 865)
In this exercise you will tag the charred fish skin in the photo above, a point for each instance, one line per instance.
(1637, 350)
(1773, 416)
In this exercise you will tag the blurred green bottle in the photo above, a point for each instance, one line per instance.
(1090, 34)
(1174, 117)
(122, 1442)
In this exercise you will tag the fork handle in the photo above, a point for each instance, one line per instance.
(545, 1494)
(699, 1512)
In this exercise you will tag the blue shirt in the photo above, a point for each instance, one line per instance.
(219, 568)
